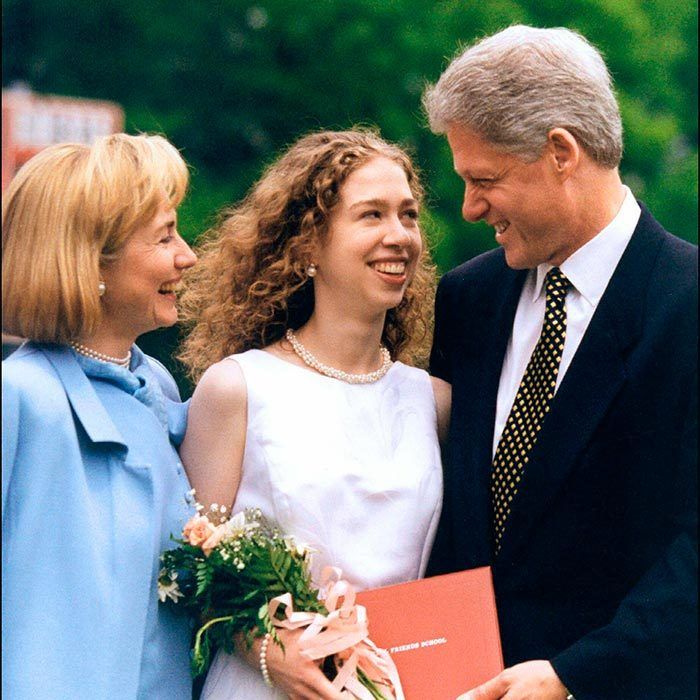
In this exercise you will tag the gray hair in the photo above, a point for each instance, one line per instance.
(512, 88)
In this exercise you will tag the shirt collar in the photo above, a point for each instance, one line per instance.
(130, 380)
(590, 268)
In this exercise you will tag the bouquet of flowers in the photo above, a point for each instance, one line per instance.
(242, 576)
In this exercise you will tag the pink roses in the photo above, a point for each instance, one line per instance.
(199, 532)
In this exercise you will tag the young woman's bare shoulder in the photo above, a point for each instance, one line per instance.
(443, 401)
(222, 387)
(442, 392)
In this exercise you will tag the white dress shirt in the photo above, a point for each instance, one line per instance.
(589, 270)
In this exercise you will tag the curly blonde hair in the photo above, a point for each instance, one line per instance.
(251, 283)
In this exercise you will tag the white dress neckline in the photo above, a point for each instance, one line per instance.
(309, 370)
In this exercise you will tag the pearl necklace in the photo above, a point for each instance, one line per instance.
(93, 354)
(314, 363)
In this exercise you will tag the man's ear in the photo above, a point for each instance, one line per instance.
(564, 151)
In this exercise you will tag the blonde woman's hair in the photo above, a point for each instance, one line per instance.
(250, 283)
(69, 211)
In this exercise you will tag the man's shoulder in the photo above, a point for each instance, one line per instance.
(483, 267)
(479, 281)
(679, 267)
(672, 244)
(682, 255)
(677, 260)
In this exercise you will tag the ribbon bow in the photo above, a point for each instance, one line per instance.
(343, 634)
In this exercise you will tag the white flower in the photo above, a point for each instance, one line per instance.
(236, 525)
(167, 586)
(300, 550)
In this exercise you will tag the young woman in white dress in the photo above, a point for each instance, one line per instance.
(319, 282)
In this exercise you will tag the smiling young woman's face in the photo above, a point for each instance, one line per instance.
(373, 242)
(141, 283)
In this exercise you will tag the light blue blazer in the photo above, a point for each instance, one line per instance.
(92, 488)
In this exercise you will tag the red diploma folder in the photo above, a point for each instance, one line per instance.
(441, 632)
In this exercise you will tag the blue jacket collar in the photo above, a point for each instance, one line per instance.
(88, 408)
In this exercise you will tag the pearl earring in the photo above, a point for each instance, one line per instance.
(101, 288)
(311, 270)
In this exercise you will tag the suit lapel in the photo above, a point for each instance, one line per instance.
(484, 346)
(496, 334)
(596, 374)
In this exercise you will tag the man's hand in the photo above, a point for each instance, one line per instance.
(532, 680)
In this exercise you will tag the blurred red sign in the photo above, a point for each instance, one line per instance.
(31, 122)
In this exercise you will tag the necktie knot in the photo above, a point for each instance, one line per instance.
(557, 284)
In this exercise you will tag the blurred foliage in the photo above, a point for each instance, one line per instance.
(232, 82)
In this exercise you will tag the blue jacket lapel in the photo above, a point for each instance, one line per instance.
(86, 405)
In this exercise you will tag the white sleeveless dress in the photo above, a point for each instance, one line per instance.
(352, 470)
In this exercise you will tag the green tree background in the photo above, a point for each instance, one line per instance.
(232, 82)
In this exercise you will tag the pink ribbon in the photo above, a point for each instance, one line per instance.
(344, 634)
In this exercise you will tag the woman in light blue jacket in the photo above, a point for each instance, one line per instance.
(92, 486)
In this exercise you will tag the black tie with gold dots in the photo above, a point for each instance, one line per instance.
(530, 405)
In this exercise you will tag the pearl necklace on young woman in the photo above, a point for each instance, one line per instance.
(94, 355)
(316, 364)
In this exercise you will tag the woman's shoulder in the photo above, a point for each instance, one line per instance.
(28, 369)
(255, 367)
(222, 384)
(412, 383)
(435, 392)
(31, 386)
(411, 373)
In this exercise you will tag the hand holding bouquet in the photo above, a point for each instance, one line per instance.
(243, 577)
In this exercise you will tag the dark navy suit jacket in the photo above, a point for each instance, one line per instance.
(598, 566)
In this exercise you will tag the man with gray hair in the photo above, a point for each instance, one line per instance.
(571, 463)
